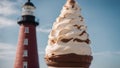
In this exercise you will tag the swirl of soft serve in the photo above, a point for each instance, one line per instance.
(69, 34)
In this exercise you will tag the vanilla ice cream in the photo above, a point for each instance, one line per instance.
(69, 34)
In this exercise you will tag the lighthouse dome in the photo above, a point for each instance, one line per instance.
(29, 4)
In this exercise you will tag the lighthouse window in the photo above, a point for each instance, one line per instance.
(24, 64)
(25, 41)
(25, 53)
(26, 29)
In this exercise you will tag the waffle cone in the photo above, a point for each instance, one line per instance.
(69, 60)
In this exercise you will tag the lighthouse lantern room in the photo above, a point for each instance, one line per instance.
(28, 9)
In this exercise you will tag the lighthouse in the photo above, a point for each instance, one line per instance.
(27, 54)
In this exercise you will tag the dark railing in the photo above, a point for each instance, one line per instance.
(28, 19)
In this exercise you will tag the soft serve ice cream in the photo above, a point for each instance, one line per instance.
(69, 34)
(69, 44)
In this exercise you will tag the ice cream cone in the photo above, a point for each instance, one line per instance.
(68, 44)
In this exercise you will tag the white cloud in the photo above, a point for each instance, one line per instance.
(7, 51)
(43, 30)
(8, 7)
(6, 46)
(107, 53)
(6, 22)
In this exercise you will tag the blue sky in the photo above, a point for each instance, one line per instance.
(101, 16)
